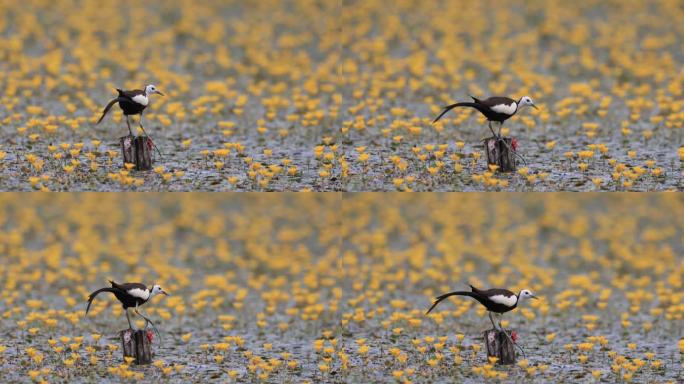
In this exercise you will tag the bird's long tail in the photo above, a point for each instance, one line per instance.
(107, 108)
(452, 106)
(440, 298)
(92, 296)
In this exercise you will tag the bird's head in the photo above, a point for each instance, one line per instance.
(151, 88)
(526, 294)
(526, 101)
(156, 290)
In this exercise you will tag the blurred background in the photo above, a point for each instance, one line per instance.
(320, 287)
(330, 95)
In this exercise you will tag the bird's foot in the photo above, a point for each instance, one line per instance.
(512, 341)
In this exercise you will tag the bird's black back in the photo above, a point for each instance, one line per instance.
(492, 292)
(127, 286)
(494, 100)
(484, 107)
(131, 93)
(126, 103)
(482, 296)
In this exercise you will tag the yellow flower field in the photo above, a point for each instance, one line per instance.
(334, 288)
(252, 281)
(340, 95)
(608, 271)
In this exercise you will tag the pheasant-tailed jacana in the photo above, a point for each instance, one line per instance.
(496, 108)
(496, 300)
(131, 295)
(132, 102)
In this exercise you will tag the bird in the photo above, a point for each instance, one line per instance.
(496, 300)
(495, 108)
(132, 102)
(131, 295)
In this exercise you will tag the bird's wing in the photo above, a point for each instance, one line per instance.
(496, 100)
(138, 290)
(509, 301)
(127, 286)
(496, 292)
(130, 94)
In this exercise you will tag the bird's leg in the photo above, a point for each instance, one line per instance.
(129, 126)
(128, 316)
(492, 320)
(500, 127)
(492, 129)
(148, 321)
(510, 339)
(514, 151)
(153, 144)
(140, 124)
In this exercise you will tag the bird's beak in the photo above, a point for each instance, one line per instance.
(160, 93)
(165, 294)
(534, 297)
(535, 107)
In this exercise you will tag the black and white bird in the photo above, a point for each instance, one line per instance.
(131, 295)
(496, 300)
(496, 108)
(132, 102)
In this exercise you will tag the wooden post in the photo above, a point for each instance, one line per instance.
(137, 150)
(500, 153)
(136, 344)
(499, 346)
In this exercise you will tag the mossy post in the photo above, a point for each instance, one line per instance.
(500, 152)
(137, 344)
(137, 150)
(500, 346)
